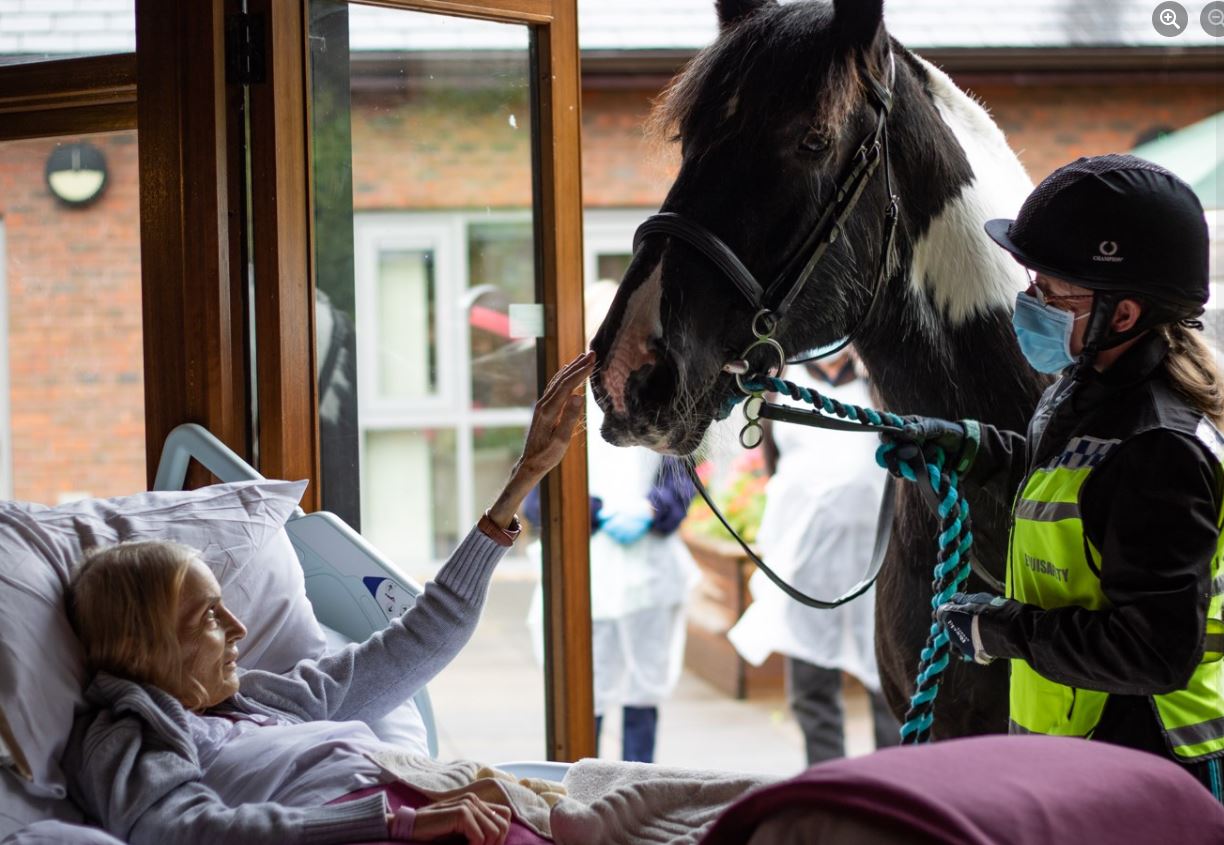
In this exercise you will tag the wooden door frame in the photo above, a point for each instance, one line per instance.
(284, 308)
(190, 227)
(192, 218)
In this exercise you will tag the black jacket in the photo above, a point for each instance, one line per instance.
(1151, 507)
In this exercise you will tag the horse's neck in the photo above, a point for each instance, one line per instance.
(945, 346)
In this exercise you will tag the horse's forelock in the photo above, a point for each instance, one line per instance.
(796, 42)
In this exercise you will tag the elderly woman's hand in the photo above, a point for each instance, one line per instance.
(556, 414)
(477, 821)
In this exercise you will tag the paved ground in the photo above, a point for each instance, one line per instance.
(490, 706)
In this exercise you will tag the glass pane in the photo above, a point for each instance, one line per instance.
(407, 348)
(411, 495)
(71, 361)
(426, 252)
(39, 31)
(612, 266)
(494, 451)
(501, 272)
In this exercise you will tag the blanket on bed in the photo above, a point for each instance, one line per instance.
(986, 790)
(600, 801)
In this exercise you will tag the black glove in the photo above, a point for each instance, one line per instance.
(962, 618)
(959, 441)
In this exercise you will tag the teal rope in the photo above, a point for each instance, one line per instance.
(955, 542)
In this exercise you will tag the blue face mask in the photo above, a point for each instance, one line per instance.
(1044, 333)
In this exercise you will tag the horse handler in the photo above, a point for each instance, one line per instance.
(1112, 614)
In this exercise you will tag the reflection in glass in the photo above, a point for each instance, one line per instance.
(71, 353)
(422, 157)
(501, 271)
(410, 494)
(407, 349)
(611, 266)
(494, 451)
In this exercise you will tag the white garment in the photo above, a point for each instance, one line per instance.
(817, 533)
(653, 571)
(638, 590)
(262, 758)
(637, 659)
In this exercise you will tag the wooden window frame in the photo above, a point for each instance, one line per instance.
(68, 97)
(193, 223)
(284, 300)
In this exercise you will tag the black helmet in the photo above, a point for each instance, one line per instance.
(1114, 223)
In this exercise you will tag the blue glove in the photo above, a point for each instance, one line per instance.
(628, 525)
(962, 617)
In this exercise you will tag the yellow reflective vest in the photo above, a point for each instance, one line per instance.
(1051, 563)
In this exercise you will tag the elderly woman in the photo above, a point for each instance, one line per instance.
(181, 746)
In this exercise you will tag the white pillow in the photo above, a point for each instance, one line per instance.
(41, 665)
(403, 727)
(268, 595)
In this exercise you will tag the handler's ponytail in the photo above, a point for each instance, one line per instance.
(1193, 371)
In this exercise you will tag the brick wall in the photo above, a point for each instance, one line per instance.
(73, 275)
(74, 339)
(1050, 125)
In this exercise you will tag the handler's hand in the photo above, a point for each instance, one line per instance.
(556, 414)
(478, 822)
(962, 617)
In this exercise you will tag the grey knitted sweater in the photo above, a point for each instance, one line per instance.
(133, 768)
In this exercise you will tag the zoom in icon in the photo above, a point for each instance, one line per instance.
(1170, 19)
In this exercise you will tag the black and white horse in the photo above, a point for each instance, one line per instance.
(767, 118)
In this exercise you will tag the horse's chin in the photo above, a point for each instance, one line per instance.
(676, 441)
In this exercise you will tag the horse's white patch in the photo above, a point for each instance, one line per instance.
(630, 349)
(965, 272)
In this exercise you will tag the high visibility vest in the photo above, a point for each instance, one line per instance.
(1052, 564)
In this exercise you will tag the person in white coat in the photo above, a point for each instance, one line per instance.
(818, 532)
(641, 572)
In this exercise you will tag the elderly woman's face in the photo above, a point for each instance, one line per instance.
(208, 635)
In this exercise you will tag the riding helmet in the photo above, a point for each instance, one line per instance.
(1114, 223)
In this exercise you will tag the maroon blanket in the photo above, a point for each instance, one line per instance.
(997, 790)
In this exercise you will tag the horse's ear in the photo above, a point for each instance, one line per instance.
(858, 22)
(731, 12)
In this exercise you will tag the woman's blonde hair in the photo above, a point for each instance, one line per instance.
(123, 602)
(1193, 371)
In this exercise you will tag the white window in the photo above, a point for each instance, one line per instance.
(445, 390)
(608, 241)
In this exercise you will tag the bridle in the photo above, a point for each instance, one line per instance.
(772, 303)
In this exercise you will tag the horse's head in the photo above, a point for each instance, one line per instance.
(768, 119)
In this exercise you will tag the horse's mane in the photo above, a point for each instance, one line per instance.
(792, 42)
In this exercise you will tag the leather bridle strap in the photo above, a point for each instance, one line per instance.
(884, 523)
(783, 291)
(709, 245)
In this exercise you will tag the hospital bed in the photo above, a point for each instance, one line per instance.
(353, 589)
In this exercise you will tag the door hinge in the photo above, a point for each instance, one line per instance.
(245, 53)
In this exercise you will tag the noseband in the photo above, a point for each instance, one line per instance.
(770, 304)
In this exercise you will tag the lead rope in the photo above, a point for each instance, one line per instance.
(952, 564)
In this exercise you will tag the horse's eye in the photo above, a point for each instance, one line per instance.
(814, 141)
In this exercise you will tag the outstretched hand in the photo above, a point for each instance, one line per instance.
(548, 437)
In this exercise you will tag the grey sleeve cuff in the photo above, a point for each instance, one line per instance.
(363, 820)
(466, 573)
